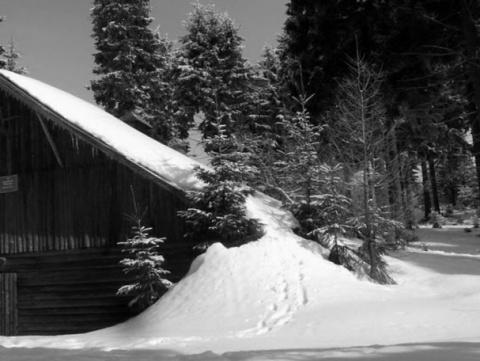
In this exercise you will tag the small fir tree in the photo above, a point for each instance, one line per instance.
(12, 56)
(334, 208)
(301, 166)
(145, 264)
(3, 62)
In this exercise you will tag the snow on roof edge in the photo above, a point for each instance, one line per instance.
(105, 131)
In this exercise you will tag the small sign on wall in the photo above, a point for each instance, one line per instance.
(9, 184)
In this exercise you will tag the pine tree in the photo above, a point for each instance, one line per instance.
(218, 212)
(301, 167)
(3, 63)
(145, 264)
(335, 208)
(213, 75)
(12, 56)
(134, 66)
(267, 93)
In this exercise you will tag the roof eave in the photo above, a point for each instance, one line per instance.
(21, 95)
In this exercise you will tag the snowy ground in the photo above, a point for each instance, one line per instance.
(279, 299)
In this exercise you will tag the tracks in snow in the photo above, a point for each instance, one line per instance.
(289, 295)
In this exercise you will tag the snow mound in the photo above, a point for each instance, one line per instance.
(242, 291)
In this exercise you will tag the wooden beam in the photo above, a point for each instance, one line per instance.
(50, 140)
(9, 118)
(3, 130)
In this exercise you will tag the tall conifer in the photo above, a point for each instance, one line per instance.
(133, 64)
(213, 77)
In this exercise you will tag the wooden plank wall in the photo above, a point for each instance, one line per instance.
(73, 291)
(80, 205)
(54, 211)
(8, 304)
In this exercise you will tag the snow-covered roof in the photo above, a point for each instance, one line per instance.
(118, 140)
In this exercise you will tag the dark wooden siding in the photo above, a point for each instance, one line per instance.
(8, 304)
(80, 205)
(74, 291)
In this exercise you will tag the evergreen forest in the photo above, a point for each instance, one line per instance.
(363, 120)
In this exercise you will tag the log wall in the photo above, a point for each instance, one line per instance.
(73, 291)
(80, 203)
(8, 304)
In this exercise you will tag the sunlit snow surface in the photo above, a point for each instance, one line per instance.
(281, 295)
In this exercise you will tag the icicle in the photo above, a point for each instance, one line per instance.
(75, 143)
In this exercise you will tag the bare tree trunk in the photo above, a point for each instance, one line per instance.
(381, 190)
(373, 260)
(394, 183)
(433, 180)
(453, 195)
(427, 204)
(408, 195)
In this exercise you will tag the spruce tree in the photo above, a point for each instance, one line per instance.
(213, 75)
(144, 263)
(218, 212)
(3, 62)
(11, 56)
(268, 94)
(134, 66)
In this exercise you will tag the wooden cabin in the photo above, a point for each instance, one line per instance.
(67, 174)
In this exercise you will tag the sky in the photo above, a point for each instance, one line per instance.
(54, 36)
